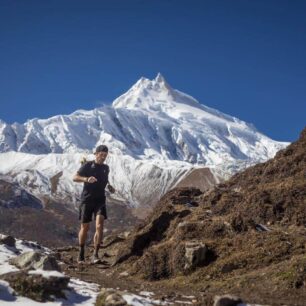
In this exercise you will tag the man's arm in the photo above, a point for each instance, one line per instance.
(80, 179)
(83, 179)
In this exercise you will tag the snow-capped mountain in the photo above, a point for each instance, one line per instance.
(156, 136)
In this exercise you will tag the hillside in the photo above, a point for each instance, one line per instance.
(245, 237)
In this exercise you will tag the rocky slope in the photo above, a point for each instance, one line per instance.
(247, 237)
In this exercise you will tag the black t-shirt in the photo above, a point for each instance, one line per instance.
(94, 191)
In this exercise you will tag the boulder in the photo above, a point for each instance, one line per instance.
(126, 234)
(110, 297)
(36, 286)
(195, 254)
(227, 300)
(35, 260)
(115, 299)
(7, 240)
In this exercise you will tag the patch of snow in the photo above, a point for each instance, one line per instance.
(47, 274)
(146, 293)
(5, 254)
(188, 296)
(136, 300)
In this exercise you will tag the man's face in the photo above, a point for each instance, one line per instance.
(100, 157)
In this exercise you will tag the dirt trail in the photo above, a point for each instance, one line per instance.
(108, 276)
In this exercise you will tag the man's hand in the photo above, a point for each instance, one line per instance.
(111, 188)
(91, 179)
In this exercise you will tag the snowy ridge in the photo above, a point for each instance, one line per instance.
(156, 135)
(131, 177)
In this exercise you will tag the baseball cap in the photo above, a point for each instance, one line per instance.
(101, 148)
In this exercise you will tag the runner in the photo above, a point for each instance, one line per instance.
(94, 175)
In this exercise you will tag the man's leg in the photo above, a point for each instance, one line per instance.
(98, 234)
(82, 239)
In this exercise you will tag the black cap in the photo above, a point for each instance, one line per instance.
(101, 148)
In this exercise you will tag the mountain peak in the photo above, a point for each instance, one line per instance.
(142, 82)
(155, 95)
(144, 92)
(158, 83)
(159, 78)
(161, 82)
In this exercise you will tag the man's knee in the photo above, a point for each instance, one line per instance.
(99, 226)
(99, 223)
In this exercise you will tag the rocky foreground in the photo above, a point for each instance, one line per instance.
(32, 275)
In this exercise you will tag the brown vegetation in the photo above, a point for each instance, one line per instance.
(253, 226)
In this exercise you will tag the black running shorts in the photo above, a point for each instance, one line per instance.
(87, 209)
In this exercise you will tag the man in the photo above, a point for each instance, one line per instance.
(94, 175)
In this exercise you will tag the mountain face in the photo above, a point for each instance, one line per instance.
(157, 136)
(150, 121)
(13, 196)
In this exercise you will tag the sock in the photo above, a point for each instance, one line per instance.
(96, 251)
(82, 251)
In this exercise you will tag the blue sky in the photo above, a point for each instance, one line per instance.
(245, 58)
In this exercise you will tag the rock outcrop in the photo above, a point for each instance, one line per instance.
(37, 286)
(7, 240)
(110, 297)
(35, 260)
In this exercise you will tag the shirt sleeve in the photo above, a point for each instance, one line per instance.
(83, 171)
(107, 171)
